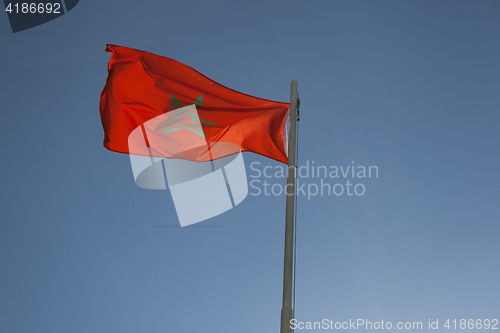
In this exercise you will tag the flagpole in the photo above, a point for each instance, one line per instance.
(286, 310)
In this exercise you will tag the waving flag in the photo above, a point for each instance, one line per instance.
(142, 86)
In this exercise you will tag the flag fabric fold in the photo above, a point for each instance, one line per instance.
(142, 86)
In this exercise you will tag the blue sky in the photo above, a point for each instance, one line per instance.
(411, 87)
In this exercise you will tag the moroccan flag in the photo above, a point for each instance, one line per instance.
(142, 86)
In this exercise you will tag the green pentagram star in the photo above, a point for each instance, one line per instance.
(179, 109)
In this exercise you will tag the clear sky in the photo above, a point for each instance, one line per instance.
(411, 87)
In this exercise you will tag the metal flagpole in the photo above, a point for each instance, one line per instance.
(286, 310)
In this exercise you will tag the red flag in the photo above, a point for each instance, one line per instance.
(142, 86)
